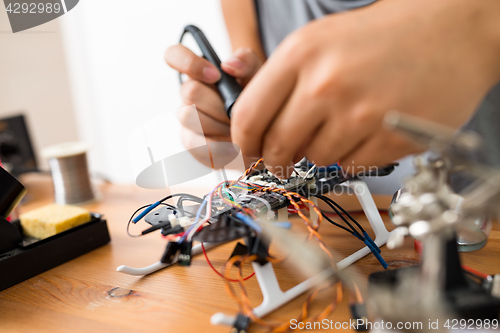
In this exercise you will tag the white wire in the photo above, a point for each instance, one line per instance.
(308, 172)
(207, 217)
(233, 196)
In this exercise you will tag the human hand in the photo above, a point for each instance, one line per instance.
(200, 90)
(324, 92)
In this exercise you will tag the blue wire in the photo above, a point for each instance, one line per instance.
(145, 211)
(376, 254)
(368, 238)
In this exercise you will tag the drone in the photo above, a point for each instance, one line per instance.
(247, 209)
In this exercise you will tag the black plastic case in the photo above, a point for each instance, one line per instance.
(33, 257)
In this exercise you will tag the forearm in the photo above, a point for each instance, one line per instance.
(490, 10)
(474, 27)
(242, 25)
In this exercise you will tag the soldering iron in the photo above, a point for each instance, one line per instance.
(228, 87)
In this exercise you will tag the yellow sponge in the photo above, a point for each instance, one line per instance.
(52, 219)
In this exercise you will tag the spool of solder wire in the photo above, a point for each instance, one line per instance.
(70, 173)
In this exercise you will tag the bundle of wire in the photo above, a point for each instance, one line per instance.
(223, 193)
(361, 234)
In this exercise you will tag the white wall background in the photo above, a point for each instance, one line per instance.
(34, 82)
(119, 78)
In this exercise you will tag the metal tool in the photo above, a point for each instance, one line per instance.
(426, 209)
(227, 86)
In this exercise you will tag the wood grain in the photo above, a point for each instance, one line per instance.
(88, 295)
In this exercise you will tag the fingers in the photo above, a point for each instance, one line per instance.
(218, 151)
(335, 139)
(290, 130)
(205, 98)
(243, 64)
(259, 103)
(201, 123)
(185, 61)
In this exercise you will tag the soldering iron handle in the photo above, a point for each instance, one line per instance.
(228, 87)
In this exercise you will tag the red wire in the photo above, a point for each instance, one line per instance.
(292, 210)
(473, 271)
(216, 271)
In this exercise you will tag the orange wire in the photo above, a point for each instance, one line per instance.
(243, 301)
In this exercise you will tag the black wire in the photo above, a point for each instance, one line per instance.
(383, 211)
(139, 209)
(324, 199)
(337, 225)
(130, 220)
(182, 195)
(345, 212)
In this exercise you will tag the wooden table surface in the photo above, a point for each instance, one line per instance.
(77, 296)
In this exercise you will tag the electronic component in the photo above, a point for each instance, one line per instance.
(242, 209)
(265, 178)
(172, 231)
(170, 253)
(259, 246)
(156, 227)
(241, 324)
(359, 314)
(264, 202)
(185, 253)
(239, 250)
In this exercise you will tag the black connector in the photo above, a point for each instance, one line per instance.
(162, 225)
(360, 315)
(239, 250)
(241, 324)
(185, 253)
(259, 246)
(172, 231)
(170, 253)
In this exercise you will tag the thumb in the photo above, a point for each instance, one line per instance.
(243, 64)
